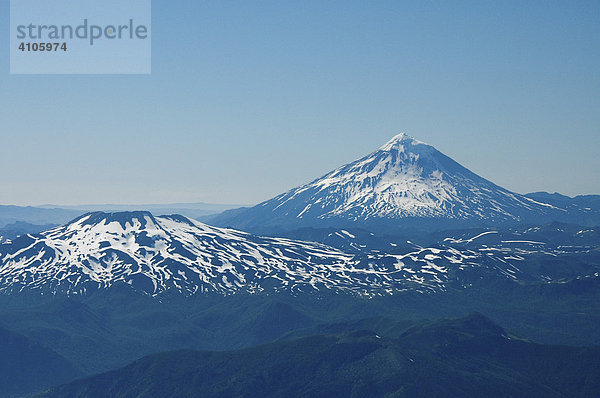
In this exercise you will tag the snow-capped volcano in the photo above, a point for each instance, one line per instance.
(155, 255)
(404, 178)
(173, 253)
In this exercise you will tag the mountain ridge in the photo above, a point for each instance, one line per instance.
(469, 356)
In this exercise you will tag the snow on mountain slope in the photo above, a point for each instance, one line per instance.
(173, 253)
(159, 253)
(405, 178)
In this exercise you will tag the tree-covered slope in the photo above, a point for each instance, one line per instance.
(452, 358)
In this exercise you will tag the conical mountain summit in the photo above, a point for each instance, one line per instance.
(403, 181)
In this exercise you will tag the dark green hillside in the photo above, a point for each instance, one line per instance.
(26, 366)
(452, 358)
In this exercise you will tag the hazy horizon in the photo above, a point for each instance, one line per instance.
(98, 204)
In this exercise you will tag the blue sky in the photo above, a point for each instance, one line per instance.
(248, 99)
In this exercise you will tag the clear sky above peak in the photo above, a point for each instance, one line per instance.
(249, 99)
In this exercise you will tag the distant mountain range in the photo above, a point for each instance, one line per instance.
(581, 209)
(35, 215)
(60, 214)
(464, 357)
(405, 184)
(192, 210)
